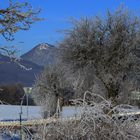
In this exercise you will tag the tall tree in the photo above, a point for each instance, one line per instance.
(104, 49)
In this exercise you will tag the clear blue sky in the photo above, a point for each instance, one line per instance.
(57, 14)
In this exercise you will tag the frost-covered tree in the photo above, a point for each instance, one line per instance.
(95, 121)
(17, 16)
(104, 49)
(50, 90)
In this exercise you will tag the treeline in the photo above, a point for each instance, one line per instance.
(13, 94)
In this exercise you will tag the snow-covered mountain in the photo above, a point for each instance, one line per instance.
(11, 72)
(35, 60)
(42, 54)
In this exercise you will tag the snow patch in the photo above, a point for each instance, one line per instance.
(12, 112)
(43, 46)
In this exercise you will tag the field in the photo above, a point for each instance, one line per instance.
(12, 112)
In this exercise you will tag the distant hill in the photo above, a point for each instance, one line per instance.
(37, 58)
(11, 72)
(42, 54)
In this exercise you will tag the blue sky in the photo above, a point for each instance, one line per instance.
(57, 14)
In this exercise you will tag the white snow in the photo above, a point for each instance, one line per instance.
(12, 112)
(70, 111)
(43, 47)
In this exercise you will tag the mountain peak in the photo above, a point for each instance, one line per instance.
(43, 54)
(43, 46)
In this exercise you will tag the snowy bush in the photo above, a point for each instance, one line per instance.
(99, 120)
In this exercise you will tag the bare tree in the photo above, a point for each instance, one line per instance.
(17, 16)
(104, 49)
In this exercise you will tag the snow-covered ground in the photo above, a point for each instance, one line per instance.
(12, 112)
(71, 111)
